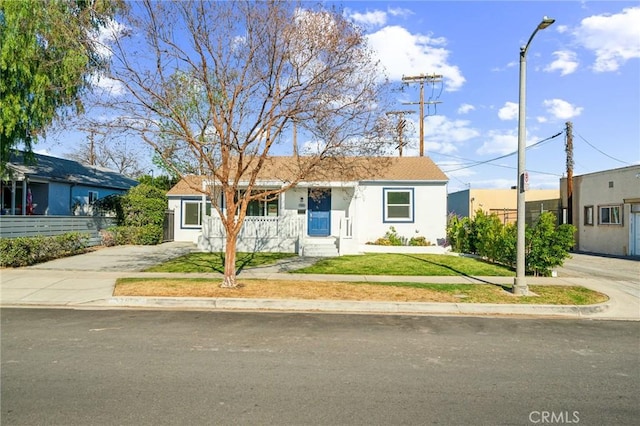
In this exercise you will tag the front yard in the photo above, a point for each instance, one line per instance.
(368, 264)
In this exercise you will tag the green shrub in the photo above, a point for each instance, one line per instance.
(546, 245)
(419, 241)
(140, 216)
(391, 238)
(143, 205)
(24, 251)
(137, 235)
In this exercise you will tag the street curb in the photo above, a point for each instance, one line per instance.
(357, 306)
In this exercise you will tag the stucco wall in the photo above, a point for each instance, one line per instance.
(430, 214)
(607, 188)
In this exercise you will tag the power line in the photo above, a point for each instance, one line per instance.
(478, 163)
(601, 152)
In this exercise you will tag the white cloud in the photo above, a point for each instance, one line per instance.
(562, 29)
(105, 35)
(541, 119)
(403, 53)
(561, 109)
(566, 62)
(375, 18)
(509, 65)
(399, 11)
(465, 108)
(509, 111)
(499, 142)
(614, 39)
(107, 85)
(441, 135)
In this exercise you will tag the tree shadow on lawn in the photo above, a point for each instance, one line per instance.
(464, 274)
(216, 264)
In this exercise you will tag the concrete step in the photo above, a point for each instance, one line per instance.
(320, 247)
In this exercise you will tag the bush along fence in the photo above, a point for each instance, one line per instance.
(546, 245)
(140, 216)
(24, 251)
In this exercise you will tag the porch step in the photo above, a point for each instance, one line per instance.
(320, 247)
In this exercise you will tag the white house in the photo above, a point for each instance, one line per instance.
(606, 211)
(328, 215)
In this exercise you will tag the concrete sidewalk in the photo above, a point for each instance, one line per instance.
(87, 281)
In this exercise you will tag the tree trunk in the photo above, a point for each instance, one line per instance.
(229, 280)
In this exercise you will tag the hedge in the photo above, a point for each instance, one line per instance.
(24, 251)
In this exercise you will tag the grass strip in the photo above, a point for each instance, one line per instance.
(357, 291)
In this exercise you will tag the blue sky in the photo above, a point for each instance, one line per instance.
(585, 68)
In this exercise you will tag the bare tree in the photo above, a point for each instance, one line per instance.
(214, 87)
(104, 149)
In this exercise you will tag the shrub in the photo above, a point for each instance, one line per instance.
(143, 205)
(419, 241)
(24, 251)
(140, 214)
(546, 245)
(138, 235)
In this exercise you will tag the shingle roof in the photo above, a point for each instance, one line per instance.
(283, 169)
(63, 170)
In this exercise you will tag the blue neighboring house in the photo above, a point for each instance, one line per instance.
(57, 187)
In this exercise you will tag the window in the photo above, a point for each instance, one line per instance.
(588, 215)
(192, 213)
(610, 215)
(398, 204)
(93, 196)
(262, 207)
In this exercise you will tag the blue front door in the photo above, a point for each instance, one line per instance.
(319, 213)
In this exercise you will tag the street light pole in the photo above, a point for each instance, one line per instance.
(520, 284)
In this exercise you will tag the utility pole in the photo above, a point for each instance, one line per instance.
(402, 123)
(295, 138)
(421, 79)
(569, 150)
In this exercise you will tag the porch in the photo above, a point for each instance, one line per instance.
(286, 234)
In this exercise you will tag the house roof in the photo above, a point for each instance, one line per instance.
(62, 170)
(369, 169)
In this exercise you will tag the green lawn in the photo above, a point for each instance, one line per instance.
(367, 264)
(214, 262)
(406, 264)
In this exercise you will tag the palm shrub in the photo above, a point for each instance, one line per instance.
(458, 234)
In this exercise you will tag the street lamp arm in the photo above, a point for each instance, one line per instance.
(546, 21)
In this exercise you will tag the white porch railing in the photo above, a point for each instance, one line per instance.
(281, 233)
(346, 227)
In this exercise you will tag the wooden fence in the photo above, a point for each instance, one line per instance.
(29, 226)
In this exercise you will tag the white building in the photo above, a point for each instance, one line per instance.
(327, 215)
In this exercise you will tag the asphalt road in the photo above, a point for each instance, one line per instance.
(69, 367)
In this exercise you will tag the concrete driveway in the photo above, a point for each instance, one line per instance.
(120, 258)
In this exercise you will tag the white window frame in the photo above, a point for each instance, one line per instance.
(386, 205)
(201, 213)
(588, 215)
(610, 208)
